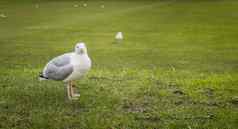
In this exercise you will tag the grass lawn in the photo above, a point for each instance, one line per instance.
(176, 69)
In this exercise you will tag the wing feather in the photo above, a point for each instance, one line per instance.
(58, 68)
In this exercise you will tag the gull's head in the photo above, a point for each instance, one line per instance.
(80, 48)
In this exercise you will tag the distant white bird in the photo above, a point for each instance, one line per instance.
(3, 15)
(68, 67)
(85, 5)
(119, 36)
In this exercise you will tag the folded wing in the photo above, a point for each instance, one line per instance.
(58, 68)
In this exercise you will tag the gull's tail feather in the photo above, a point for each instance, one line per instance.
(42, 78)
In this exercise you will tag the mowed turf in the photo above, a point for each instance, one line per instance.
(176, 68)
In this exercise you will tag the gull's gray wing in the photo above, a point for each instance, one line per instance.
(58, 68)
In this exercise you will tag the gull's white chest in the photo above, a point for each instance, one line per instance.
(81, 65)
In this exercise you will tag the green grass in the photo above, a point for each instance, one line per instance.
(176, 69)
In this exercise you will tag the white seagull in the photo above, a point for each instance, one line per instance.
(68, 67)
(119, 36)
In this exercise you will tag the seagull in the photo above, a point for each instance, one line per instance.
(119, 36)
(68, 68)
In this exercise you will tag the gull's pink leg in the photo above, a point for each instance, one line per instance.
(74, 95)
(68, 91)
